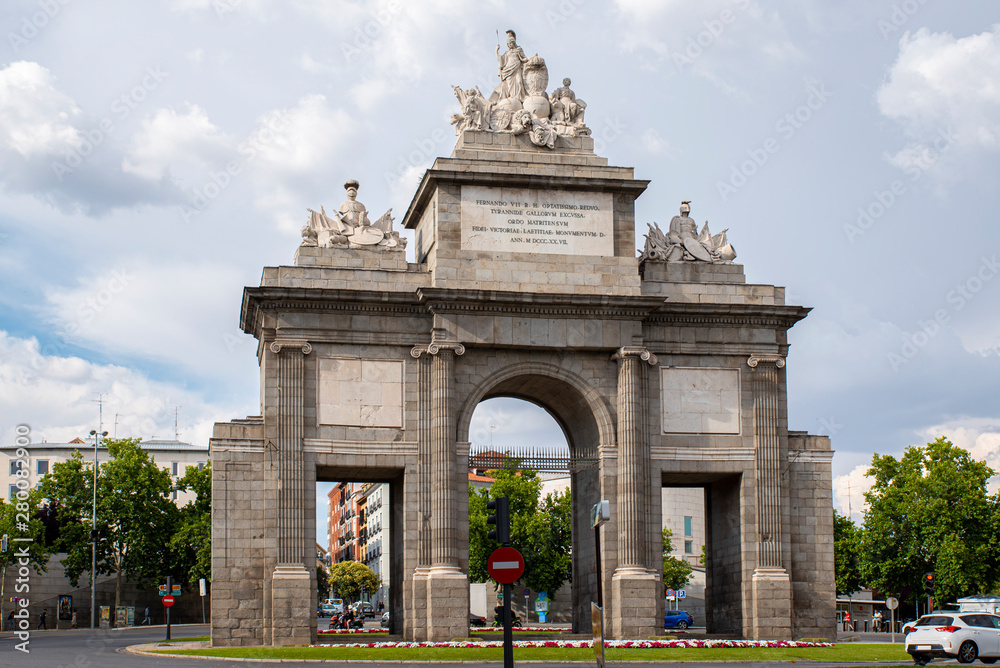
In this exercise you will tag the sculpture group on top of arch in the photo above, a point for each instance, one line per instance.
(519, 105)
(684, 243)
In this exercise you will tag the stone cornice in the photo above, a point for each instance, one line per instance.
(258, 300)
(735, 315)
(497, 302)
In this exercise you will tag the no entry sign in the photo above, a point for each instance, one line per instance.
(505, 565)
(168, 600)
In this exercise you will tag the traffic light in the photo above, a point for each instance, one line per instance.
(500, 519)
(929, 583)
(498, 614)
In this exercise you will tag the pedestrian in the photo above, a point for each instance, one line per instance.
(147, 621)
(10, 621)
(41, 621)
(72, 623)
(381, 606)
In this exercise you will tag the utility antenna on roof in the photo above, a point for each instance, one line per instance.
(116, 425)
(100, 411)
(177, 434)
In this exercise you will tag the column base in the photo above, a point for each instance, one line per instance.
(292, 620)
(633, 612)
(447, 610)
(772, 604)
(415, 622)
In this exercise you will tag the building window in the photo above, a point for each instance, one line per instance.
(689, 547)
(173, 468)
(43, 466)
(15, 466)
(13, 492)
(687, 526)
(201, 465)
(174, 494)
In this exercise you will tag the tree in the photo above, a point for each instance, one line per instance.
(191, 543)
(676, 572)
(846, 554)
(348, 577)
(540, 531)
(135, 516)
(929, 512)
(19, 519)
(322, 584)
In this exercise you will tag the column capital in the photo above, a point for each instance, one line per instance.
(756, 359)
(436, 347)
(278, 344)
(635, 351)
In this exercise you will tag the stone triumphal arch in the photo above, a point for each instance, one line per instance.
(666, 369)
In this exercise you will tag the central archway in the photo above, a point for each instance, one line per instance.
(587, 423)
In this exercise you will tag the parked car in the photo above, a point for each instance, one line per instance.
(385, 620)
(476, 620)
(965, 637)
(328, 610)
(677, 619)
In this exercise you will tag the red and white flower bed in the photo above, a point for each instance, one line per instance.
(638, 644)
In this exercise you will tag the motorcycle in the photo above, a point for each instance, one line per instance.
(339, 621)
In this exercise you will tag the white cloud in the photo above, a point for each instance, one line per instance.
(172, 140)
(36, 119)
(302, 138)
(942, 86)
(154, 310)
(849, 492)
(56, 397)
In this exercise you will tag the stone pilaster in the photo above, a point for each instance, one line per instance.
(635, 587)
(772, 592)
(416, 619)
(292, 623)
(446, 587)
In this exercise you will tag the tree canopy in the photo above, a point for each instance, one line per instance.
(191, 542)
(347, 578)
(676, 572)
(846, 554)
(135, 515)
(929, 512)
(540, 529)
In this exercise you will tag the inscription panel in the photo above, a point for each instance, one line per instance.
(699, 400)
(526, 220)
(360, 393)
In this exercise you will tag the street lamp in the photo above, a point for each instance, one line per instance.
(93, 534)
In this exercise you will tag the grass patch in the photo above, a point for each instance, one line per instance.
(852, 652)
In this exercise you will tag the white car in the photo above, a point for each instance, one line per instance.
(963, 636)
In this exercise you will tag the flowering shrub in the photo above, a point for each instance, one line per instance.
(635, 644)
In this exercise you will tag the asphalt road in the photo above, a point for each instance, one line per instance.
(83, 648)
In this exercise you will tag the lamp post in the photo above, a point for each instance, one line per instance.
(93, 535)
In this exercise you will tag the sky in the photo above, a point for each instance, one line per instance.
(154, 157)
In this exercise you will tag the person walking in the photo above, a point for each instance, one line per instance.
(73, 623)
(10, 621)
(147, 621)
(41, 621)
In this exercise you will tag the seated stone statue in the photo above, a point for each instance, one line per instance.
(565, 107)
(683, 242)
(350, 226)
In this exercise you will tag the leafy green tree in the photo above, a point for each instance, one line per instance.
(929, 511)
(13, 524)
(191, 543)
(676, 572)
(135, 515)
(322, 584)
(540, 530)
(846, 554)
(347, 578)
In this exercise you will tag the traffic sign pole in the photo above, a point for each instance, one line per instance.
(169, 589)
(508, 629)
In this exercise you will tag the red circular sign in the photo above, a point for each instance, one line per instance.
(168, 600)
(505, 565)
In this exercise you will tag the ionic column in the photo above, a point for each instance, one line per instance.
(290, 422)
(633, 455)
(767, 453)
(424, 435)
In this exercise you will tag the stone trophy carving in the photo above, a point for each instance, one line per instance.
(519, 105)
(684, 243)
(350, 227)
